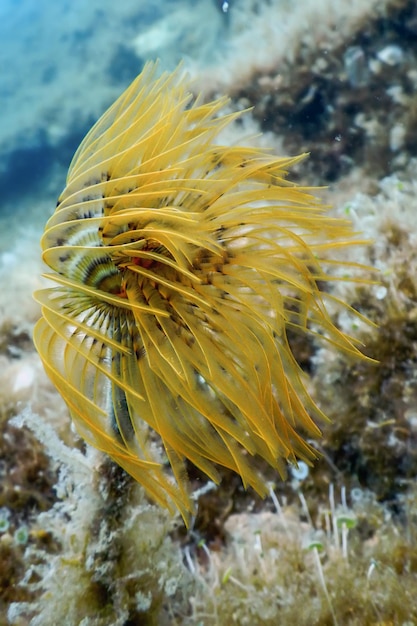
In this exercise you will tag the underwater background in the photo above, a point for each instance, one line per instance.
(335, 543)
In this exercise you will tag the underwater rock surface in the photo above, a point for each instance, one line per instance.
(335, 544)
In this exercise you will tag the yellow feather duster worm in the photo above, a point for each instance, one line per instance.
(180, 264)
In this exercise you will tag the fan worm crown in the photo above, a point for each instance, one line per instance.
(180, 265)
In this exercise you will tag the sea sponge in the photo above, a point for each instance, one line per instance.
(181, 265)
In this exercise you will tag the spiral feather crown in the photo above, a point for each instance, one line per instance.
(180, 264)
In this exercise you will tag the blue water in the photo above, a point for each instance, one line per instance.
(62, 62)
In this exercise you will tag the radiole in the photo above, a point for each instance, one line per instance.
(179, 266)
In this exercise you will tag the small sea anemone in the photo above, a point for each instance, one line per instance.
(180, 266)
